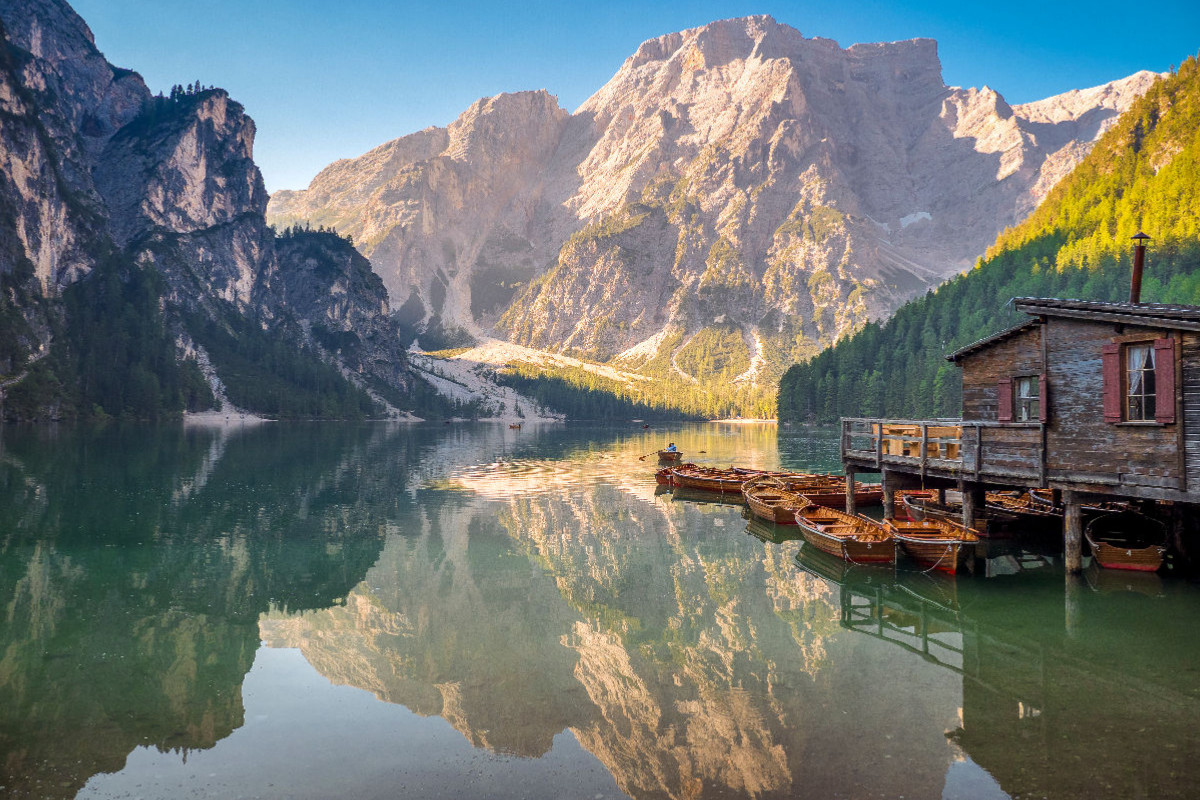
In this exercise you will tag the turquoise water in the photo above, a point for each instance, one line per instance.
(369, 611)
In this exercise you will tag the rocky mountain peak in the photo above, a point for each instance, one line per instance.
(734, 188)
(522, 122)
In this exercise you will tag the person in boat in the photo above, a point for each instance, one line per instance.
(671, 448)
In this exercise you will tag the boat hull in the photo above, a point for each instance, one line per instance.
(714, 481)
(947, 556)
(988, 522)
(670, 457)
(1135, 559)
(836, 498)
(1127, 540)
(936, 544)
(780, 512)
(835, 535)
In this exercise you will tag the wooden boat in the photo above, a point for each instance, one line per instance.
(935, 543)
(1044, 499)
(516, 426)
(1127, 540)
(1025, 506)
(713, 479)
(770, 500)
(663, 477)
(670, 456)
(865, 494)
(851, 537)
(989, 521)
(775, 498)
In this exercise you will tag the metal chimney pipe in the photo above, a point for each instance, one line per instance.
(1139, 263)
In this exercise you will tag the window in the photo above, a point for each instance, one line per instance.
(1028, 399)
(1139, 383)
(1021, 399)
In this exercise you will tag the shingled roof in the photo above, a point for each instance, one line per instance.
(1154, 315)
(988, 341)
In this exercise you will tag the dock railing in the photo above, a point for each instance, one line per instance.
(953, 447)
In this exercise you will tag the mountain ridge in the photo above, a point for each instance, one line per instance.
(1142, 175)
(140, 277)
(721, 160)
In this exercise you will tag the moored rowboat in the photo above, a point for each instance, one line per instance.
(713, 479)
(769, 500)
(663, 477)
(851, 537)
(939, 544)
(1127, 540)
(989, 521)
(865, 494)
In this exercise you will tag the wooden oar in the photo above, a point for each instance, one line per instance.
(651, 453)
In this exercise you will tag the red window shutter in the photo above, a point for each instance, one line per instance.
(1004, 399)
(1043, 400)
(1164, 380)
(1111, 370)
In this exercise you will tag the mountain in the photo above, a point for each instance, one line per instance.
(139, 274)
(1143, 175)
(736, 198)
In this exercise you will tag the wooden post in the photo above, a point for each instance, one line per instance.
(924, 448)
(851, 508)
(889, 494)
(1073, 533)
(941, 495)
(968, 505)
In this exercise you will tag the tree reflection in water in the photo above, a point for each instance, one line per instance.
(531, 590)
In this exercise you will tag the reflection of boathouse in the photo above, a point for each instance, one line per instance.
(1091, 400)
(1080, 696)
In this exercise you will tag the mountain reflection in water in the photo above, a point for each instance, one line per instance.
(530, 590)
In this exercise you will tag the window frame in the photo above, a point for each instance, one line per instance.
(1164, 362)
(1027, 408)
(1146, 412)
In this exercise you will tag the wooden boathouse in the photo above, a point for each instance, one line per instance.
(1096, 401)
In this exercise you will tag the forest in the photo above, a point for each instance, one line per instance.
(1143, 175)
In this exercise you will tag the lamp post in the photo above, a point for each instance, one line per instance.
(1139, 262)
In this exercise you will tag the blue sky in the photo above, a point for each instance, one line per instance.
(327, 80)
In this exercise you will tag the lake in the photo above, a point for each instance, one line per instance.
(380, 611)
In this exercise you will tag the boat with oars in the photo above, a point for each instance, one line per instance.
(670, 456)
(1028, 510)
(769, 500)
(854, 538)
(934, 543)
(991, 520)
(713, 479)
(774, 497)
(834, 496)
(1127, 540)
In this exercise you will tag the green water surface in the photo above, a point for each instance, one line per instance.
(469, 611)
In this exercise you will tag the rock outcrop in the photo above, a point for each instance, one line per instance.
(735, 183)
(95, 169)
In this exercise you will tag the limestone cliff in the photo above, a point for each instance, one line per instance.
(97, 172)
(735, 188)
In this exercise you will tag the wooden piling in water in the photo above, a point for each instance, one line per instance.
(851, 507)
(1073, 533)
(889, 494)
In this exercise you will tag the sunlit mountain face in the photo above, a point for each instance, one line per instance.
(487, 612)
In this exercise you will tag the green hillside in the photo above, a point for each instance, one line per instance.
(1144, 174)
